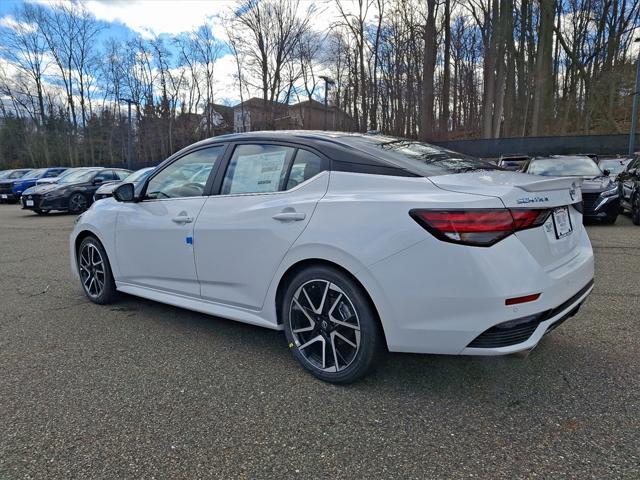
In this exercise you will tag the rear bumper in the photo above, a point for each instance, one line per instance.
(440, 298)
(503, 339)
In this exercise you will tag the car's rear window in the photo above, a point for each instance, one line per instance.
(419, 157)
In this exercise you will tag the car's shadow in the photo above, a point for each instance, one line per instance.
(442, 376)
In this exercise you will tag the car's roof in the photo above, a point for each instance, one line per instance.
(354, 152)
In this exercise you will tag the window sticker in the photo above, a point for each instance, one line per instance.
(258, 173)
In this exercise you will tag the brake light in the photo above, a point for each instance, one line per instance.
(478, 227)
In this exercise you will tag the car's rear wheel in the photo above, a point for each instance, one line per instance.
(95, 272)
(78, 203)
(330, 325)
(635, 209)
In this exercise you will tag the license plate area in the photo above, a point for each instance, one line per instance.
(29, 203)
(562, 222)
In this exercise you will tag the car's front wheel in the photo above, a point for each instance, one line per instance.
(330, 325)
(95, 272)
(78, 203)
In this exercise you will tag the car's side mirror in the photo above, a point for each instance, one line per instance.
(96, 181)
(124, 193)
(606, 172)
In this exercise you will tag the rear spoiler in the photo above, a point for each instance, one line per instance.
(556, 183)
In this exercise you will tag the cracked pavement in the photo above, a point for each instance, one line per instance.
(144, 390)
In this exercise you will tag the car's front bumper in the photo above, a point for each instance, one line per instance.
(596, 206)
(8, 197)
(41, 202)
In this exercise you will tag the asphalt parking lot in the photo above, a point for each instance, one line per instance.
(143, 390)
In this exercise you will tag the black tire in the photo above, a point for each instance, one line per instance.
(357, 349)
(635, 209)
(108, 293)
(78, 203)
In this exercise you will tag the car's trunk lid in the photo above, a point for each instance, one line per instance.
(520, 190)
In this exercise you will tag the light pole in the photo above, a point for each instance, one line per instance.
(129, 134)
(327, 81)
(634, 110)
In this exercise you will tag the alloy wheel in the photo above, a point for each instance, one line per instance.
(325, 325)
(92, 270)
(77, 203)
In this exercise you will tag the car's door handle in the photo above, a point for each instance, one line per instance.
(182, 219)
(290, 216)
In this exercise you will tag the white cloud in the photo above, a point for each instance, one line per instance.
(154, 17)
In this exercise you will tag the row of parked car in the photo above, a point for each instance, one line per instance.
(609, 185)
(71, 190)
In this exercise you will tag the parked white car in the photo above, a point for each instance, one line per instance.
(349, 243)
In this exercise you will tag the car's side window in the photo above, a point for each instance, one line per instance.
(122, 174)
(257, 169)
(187, 176)
(305, 166)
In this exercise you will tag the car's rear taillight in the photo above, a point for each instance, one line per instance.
(479, 227)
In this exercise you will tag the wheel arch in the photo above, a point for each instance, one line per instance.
(300, 265)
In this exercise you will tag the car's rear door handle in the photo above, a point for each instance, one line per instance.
(182, 219)
(290, 216)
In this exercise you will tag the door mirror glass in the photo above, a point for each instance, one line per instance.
(606, 172)
(124, 193)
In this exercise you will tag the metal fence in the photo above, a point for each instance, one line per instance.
(540, 146)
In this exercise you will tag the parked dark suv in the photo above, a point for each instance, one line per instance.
(629, 184)
(600, 198)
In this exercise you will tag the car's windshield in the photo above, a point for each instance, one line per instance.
(565, 167)
(138, 175)
(16, 174)
(77, 177)
(614, 165)
(35, 173)
(421, 157)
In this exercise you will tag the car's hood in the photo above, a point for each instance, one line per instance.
(514, 189)
(63, 186)
(28, 181)
(40, 189)
(598, 184)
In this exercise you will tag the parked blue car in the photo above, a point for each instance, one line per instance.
(7, 179)
(29, 180)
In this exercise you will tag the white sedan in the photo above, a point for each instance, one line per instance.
(349, 243)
